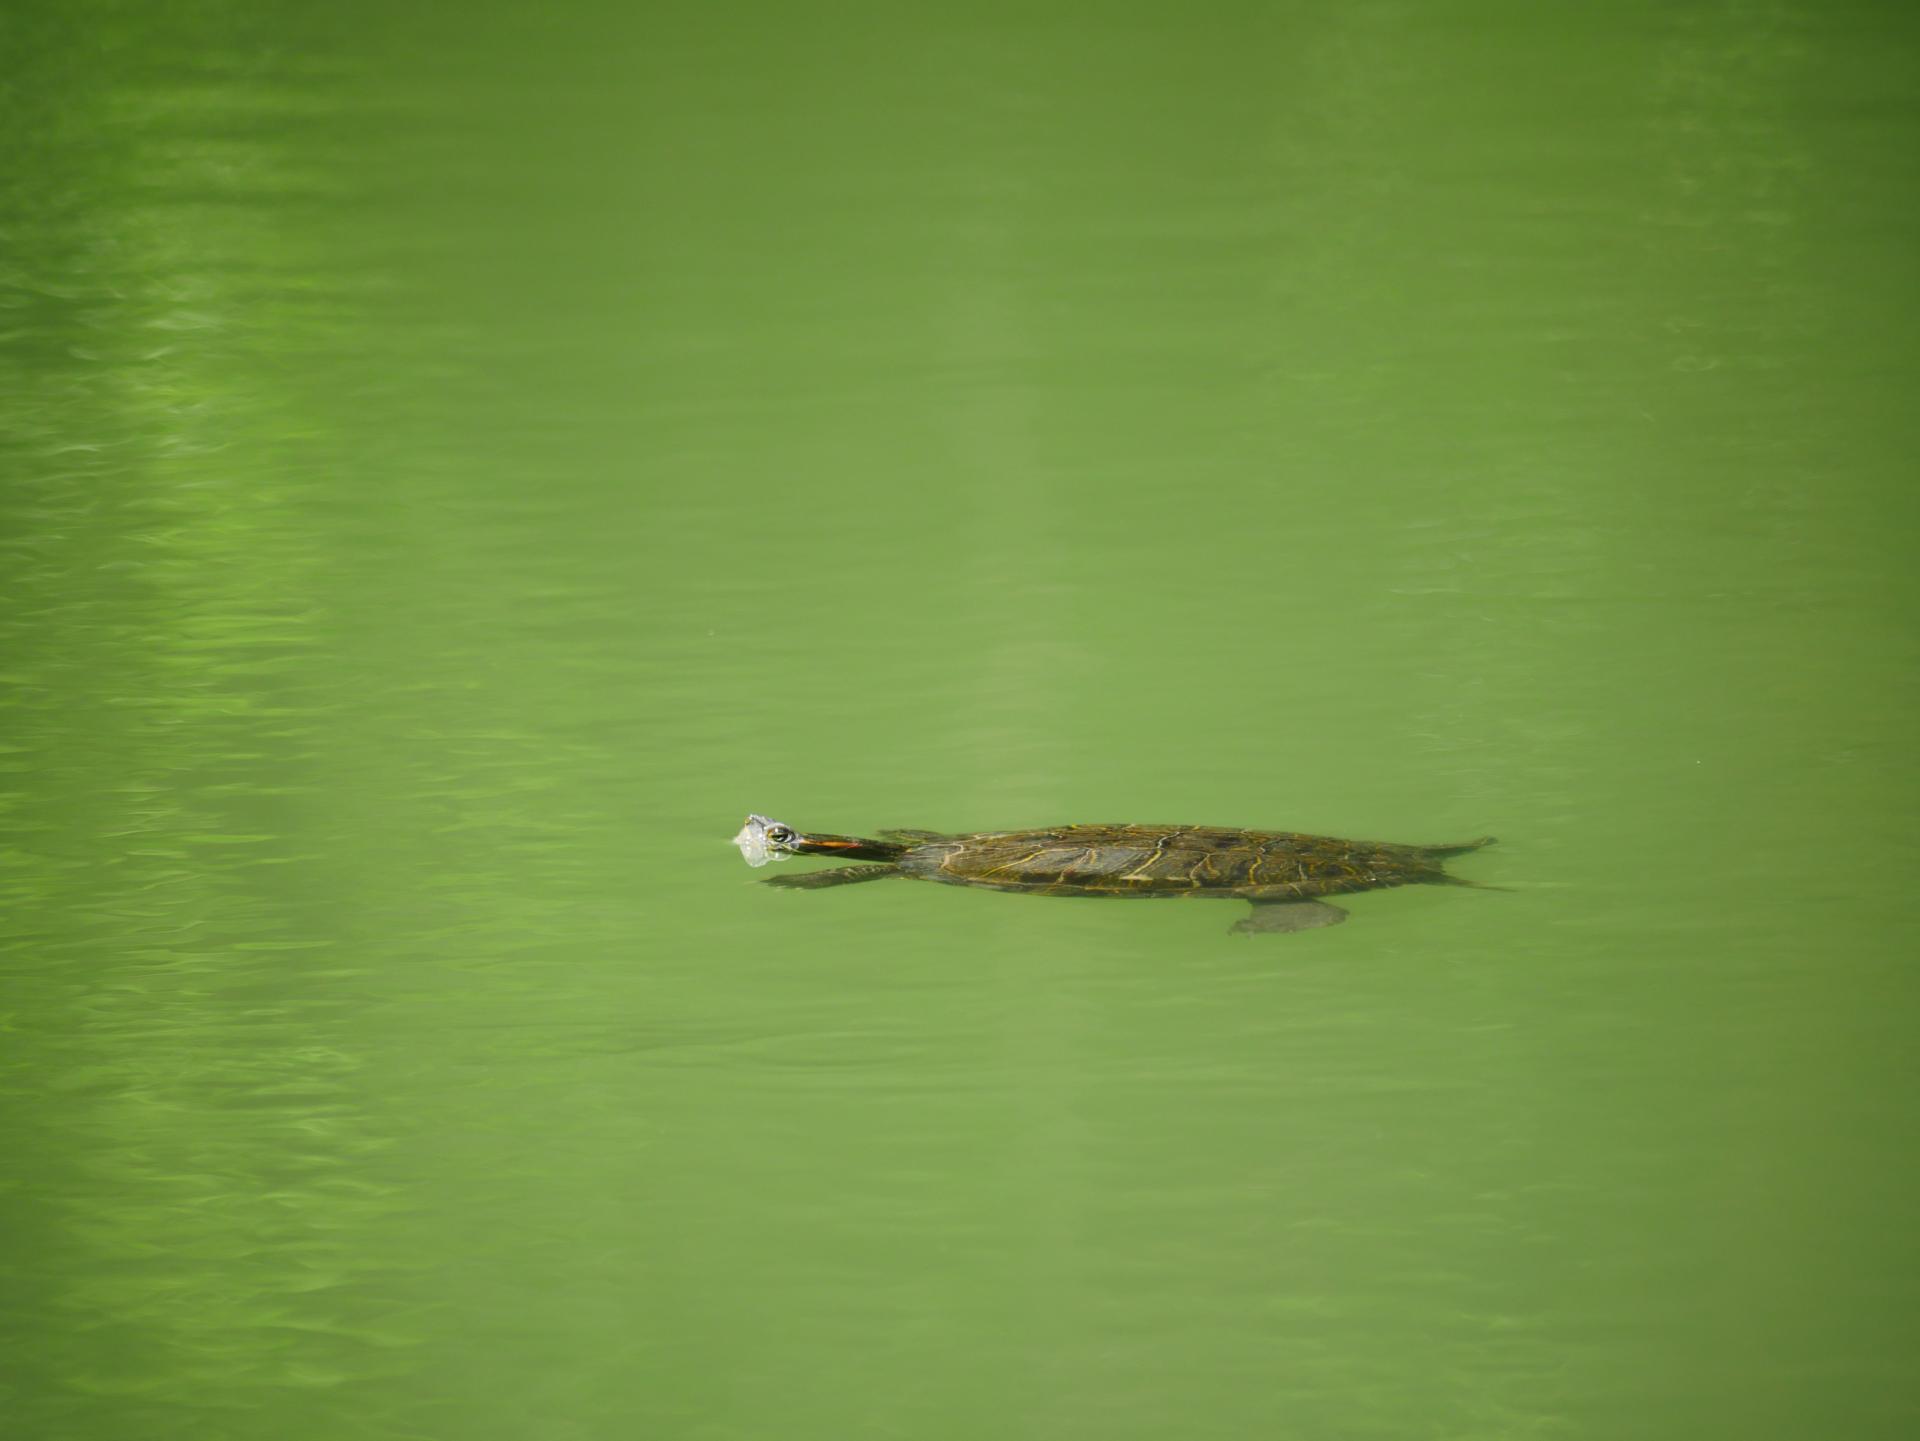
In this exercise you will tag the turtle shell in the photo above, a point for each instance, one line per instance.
(1138, 860)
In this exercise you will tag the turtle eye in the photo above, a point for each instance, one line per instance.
(779, 833)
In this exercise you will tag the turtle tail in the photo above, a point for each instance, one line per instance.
(1459, 848)
(1436, 854)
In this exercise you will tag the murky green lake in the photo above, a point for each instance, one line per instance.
(452, 468)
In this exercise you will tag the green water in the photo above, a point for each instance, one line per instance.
(451, 471)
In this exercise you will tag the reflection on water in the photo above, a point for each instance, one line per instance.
(448, 478)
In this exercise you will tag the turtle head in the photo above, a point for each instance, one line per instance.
(764, 839)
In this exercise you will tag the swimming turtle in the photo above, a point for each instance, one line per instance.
(1283, 874)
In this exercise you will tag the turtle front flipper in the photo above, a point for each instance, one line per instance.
(842, 876)
(1272, 916)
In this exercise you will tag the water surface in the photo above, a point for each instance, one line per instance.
(450, 476)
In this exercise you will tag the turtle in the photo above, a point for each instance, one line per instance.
(1284, 874)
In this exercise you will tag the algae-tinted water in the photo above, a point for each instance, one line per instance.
(456, 467)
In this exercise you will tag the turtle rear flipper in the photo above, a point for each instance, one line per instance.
(1286, 916)
(843, 876)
